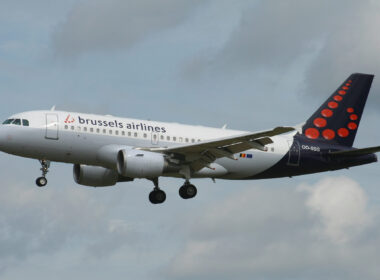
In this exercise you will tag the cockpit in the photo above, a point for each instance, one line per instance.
(22, 122)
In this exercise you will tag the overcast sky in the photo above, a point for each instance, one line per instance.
(249, 64)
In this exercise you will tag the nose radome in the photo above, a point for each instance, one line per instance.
(2, 137)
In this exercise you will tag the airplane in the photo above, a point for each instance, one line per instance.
(105, 150)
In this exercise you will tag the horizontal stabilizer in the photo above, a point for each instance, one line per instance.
(356, 152)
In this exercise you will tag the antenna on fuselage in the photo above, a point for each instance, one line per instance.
(52, 108)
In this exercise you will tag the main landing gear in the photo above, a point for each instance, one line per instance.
(187, 190)
(42, 181)
(158, 196)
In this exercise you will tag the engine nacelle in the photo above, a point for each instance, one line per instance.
(142, 164)
(94, 176)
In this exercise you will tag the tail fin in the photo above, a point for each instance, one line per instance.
(338, 118)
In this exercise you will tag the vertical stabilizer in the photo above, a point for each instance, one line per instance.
(338, 119)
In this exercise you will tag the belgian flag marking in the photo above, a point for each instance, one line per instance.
(246, 155)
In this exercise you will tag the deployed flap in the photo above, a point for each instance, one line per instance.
(356, 152)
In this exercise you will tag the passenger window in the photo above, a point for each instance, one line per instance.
(123, 133)
(117, 132)
(135, 134)
(129, 133)
(91, 129)
(104, 131)
(174, 138)
(168, 138)
(199, 140)
(8, 121)
(162, 137)
(144, 135)
(78, 128)
(187, 139)
(98, 130)
(17, 122)
(25, 122)
(180, 139)
(85, 129)
(110, 131)
(66, 127)
(192, 140)
(72, 127)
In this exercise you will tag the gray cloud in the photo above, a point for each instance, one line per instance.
(312, 232)
(35, 221)
(117, 24)
(337, 37)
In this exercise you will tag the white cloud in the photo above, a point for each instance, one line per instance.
(342, 206)
(312, 232)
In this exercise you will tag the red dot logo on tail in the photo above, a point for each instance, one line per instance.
(320, 122)
(343, 132)
(342, 92)
(353, 117)
(328, 134)
(332, 105)
(352, 126)
(312, 133)
(327, 113)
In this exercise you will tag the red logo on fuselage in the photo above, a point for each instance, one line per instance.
(69, 119)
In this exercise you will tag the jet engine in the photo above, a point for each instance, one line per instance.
(143, 164)
(94, 176)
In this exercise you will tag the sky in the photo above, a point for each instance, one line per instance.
(249, 64)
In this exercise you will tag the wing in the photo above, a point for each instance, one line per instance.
(200, 155)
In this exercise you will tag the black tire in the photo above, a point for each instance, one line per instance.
(187, 191)
(41, 181)
(157, 196)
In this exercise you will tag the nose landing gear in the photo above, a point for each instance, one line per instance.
(42, 181)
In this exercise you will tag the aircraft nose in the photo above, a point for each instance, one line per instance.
(2, 137)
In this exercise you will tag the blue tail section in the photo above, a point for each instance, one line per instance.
(337, 120)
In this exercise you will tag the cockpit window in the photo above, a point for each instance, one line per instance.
(8, 121)
(17, 122)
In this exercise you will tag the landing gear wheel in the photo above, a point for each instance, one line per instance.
(41, 181)
(187, 191)
(157, 196)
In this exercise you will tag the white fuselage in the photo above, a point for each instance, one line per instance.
(77, 138)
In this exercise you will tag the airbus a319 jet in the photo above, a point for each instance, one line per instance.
(106, 150)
